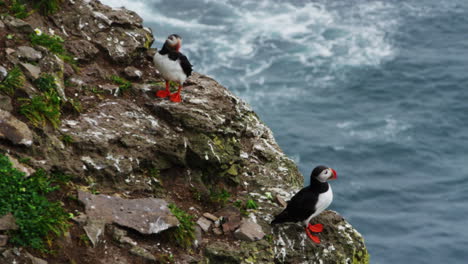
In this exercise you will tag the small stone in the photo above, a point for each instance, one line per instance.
(9, 51)
(281, 201)
(32, 72)
(204, 223)
(249, 231)
(2, 25)
(133, 73)
(141, 252)
(35, 260)
(3, 240)
(18, 25)
(14, 130)
(120, 236)
(217, 231)
(198, 237)
(8, 222)
(94, 229)
(3, 73)
(28, 53)
(232, 218)
(20, 166)
(5, 103)
(211, 217)
(80, 219)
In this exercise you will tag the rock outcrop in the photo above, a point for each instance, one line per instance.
(208, 155)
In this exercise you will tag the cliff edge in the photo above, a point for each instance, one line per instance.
(139, 179)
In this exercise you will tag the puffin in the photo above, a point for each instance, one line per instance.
(310, 202)
(173, 66)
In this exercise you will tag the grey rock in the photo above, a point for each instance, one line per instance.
(9, 51)
(80, 219)
(217, 231)
(3, 240)
(133, 73)
(211, 217)
(83, 50)
(94, 229)
(5, 103)
(20, 166)
(2, 25)
(32, 72)
(8, 222)
(232, 218)
(249, 231)
(141, 252)
(14, 130)
(146, 215)
(120, 236)
(35, 260)
(28, 53)
(198, 237)
(281, 201)
(204, 223)
(3, 73)
(18, 25)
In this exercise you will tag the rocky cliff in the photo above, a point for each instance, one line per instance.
(147, 180)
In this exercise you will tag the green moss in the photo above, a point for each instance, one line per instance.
(219, 197)
(45, 107)
(14, 80)
(67, 139)
(124, 85)
(184, 234)
(46, 7)
(18, 9)
(37, 217)
(53, 43)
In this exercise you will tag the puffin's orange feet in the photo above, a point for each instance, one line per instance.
(316, 239)
(163, 93)
(176, 98)
(315, 228)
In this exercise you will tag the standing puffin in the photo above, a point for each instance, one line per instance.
(173, 66)
(310, 202)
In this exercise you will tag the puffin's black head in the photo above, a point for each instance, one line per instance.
(173, 42)
(323, 174)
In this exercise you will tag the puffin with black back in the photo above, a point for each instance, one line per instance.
(310, 202)
(173, 66)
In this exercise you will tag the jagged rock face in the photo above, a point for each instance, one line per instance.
(119, 33)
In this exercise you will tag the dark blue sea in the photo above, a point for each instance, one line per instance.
(377, 90)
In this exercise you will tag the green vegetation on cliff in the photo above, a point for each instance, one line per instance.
(25, 197)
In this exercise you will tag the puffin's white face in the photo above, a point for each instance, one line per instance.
(327, 174)
(174, 41)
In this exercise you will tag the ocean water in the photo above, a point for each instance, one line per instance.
(378, 90)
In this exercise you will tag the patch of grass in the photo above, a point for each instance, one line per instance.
(14, 80)
(53, 43)
(184, 234)
(219, 196)
(251, 204)
(18, 9)
(44, 107)
(47, 7)
(124, 85)
(38, 218)
(67, 139)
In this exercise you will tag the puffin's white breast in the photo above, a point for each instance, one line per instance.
(169, 69)
(324, 200)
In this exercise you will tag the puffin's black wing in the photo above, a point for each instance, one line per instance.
(184, 62)
(300, 207)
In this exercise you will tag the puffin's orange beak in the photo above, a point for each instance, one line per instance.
(334, 175)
